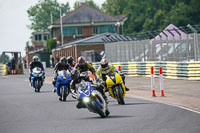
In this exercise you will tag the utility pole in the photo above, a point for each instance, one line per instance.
(61, 27)
(51, 18)
(195, 40)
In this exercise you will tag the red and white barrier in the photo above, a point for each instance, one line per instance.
(161, 82)
(152, 82)
(119, 68)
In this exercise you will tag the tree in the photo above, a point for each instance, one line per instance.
(148, 15)
(51, 43)
(114, 7)
(40, 14)
(89, 3)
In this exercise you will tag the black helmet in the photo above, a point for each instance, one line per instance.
(75, 74)
(63, 59)
(70, 59)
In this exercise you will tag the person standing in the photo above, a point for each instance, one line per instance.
(13, 66)
(52, 61)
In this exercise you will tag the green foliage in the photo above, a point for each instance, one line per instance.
(51, 43)
(147, 15)
(40, 14)
(6, 58)
(89, 3)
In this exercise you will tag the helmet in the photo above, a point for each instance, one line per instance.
(36, 58)
(81, 60)
(75, 74)
(63, 59)
(70, 59)
(104, 63)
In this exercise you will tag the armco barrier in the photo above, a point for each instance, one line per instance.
(3, 69)
(171, 70)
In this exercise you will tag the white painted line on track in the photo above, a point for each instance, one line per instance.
(183, 108)
(178, 106)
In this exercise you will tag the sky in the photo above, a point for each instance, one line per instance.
(14, 20)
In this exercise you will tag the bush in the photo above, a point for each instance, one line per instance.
(51, 44)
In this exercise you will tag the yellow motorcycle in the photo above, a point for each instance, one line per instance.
(116, 87)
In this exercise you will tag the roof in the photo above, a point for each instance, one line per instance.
(99, 39)
(171, 32)
(86, 14)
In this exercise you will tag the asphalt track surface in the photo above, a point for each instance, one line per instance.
(24, 111)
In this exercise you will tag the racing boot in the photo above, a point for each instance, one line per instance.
(60, 98)
(80, 105)
(127, 89)
(107, 112)
(54, 86)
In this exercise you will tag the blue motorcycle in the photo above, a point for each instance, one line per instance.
(37, 78)
(91, 98)
(62, 84)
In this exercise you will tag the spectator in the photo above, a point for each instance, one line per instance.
(52, 61)
(13, 66)
(57, 59)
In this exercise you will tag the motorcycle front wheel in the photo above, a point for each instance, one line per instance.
(98, 109)
(119, 93)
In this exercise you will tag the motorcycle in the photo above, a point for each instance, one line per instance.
(116, 87)
(37, 78)
(91, 98)
(63, 84)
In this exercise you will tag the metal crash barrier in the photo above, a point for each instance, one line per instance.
(171, 70)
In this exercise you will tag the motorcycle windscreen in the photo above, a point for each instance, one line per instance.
(110, 81)
(118, 78)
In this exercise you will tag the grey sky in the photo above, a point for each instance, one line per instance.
(14, 20)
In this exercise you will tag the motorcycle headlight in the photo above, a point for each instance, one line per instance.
(86, 99)
(93, 93)
(35, 74)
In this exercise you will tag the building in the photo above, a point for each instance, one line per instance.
(83, 23)
(90, 47)
(38, 41)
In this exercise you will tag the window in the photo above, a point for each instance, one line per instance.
(36, 37)
(69, 31)
(95, 30)
(107, 28)
(39, 37)
(79, 31)
(45, 37)
(54, 33)
(103, 28)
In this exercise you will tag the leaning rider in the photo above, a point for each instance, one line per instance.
(104, 69)
(82, 66)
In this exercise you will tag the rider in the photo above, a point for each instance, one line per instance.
(61, 65)
(70, 61)
(82, 66)
(35, 63)
(104, 69)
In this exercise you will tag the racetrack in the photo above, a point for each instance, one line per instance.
(22, 110)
